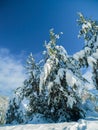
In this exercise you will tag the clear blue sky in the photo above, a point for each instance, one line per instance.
(25, 24)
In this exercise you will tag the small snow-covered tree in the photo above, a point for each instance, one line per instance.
(17, 112)
(32, 82)
(30, 89)
(14, 113)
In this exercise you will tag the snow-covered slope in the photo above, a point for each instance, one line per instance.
(80, 125)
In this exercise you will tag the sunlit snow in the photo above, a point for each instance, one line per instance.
(80, 125)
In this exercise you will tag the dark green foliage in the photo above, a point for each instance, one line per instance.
(14, 114)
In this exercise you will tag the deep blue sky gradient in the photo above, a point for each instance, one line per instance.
(25, 24)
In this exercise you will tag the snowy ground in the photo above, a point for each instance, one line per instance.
(80, 125)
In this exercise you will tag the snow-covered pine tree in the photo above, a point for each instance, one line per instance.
(88, 57)
(56, 89)
(32, 82)
(30, 89)
(60, 80)
(17, 112)
(14, 113)
(50, 92)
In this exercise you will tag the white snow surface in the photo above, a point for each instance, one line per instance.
(80, 125)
